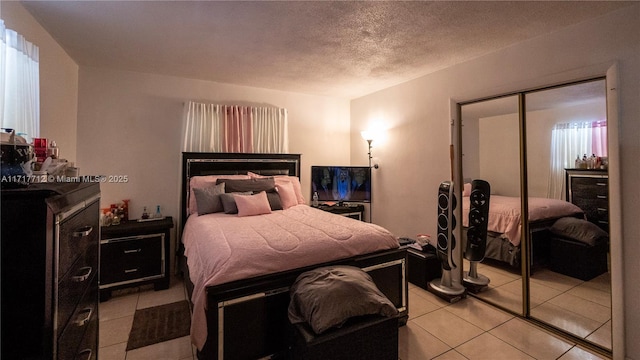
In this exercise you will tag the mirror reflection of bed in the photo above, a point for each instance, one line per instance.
(569, 282)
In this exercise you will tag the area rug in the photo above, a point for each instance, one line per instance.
(159, 323)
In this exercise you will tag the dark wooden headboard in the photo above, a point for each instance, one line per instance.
(200, 164)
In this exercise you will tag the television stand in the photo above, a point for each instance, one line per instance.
(354, 211)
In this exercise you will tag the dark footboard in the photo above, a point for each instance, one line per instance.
(499, 248)
(248, 319)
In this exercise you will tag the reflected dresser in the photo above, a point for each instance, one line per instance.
(589, 190)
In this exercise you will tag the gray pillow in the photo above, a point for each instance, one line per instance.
(274, 200)
(328, 296)
(243, 185)
(579, 230)
(208, 199)
(229, 203)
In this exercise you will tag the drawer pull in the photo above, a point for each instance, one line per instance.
(601, 184)
(602, 210)
(84, 354)
(602, 196)
(83, 274)
(83, 231)
(603, 222)
(132, 251)
(129, 271)
(83, 317)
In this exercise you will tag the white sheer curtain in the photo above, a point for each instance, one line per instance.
(222, 128)
(270, 133)
(569, 141)
(599, 143)
(19, 83)
(203, 128)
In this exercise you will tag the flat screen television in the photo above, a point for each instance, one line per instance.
(341, 183)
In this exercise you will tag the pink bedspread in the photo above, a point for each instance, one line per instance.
(504, 213)
(221, 248)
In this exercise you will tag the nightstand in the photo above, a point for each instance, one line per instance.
(354, 211)
(135, 253)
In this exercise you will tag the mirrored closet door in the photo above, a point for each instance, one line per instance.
(491, 152)
(544, 153)
(566, 137)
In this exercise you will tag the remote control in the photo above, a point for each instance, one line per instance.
(405, 241)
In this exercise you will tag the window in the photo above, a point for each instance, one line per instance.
(19, 84)
(570, 141)
(243, 129)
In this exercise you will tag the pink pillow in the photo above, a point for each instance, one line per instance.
(467, 190)
(297, 188)
(205, 181)
(287, 194)
(295, 182)
(249, 205)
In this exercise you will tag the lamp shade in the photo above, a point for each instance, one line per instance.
(367, 135)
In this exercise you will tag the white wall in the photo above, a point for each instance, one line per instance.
(130, 124)
(499, 153)
(415, 157)
(58, 80)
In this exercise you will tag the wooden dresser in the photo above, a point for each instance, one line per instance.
(50, 254)
(589, 190)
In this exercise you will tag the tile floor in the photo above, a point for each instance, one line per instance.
(582, 308)
(469, 329)
(116, 319)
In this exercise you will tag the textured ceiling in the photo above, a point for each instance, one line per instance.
(342, 49)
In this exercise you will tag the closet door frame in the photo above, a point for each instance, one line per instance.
(610, 74)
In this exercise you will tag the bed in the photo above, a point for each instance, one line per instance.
(505, 223)
(238, 269)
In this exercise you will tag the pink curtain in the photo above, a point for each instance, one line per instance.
(599, 138)
(238, 131)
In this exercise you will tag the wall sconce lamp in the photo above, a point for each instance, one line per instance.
(369, 137)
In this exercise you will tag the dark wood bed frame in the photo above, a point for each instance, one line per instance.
(502, 250)
(247, 319)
